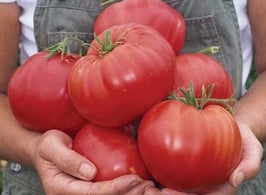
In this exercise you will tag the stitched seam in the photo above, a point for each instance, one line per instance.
(69, 7)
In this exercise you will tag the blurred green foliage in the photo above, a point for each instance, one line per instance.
(1, 181)
(252, 76)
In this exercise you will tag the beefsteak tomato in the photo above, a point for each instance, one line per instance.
(38, 96)
(127, 69)
(155, 13)
(113, 151)
(201, 69)
(187, 149)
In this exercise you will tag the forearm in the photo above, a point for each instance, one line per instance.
(251, 108)
(17, 143)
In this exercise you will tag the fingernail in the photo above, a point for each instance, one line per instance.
(88, 171)
(239, 178)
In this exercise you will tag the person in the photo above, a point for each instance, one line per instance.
(46, 164)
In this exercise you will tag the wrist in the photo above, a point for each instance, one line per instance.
(254, 127)
(30, 147)
(26, 144)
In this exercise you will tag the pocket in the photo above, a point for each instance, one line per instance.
(202, 33)
(55, 37)
(201, 29)
(54, 20)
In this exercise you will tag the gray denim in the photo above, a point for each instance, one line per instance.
(21, 180)
(209, 23)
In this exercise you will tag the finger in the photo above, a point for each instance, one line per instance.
(251, 159)
(141, 188)
(118, 186)
(226, 188)
(57, 149)
(152, 191)
(167, 191)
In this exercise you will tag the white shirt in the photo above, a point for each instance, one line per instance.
(29, 45)
(246, 38)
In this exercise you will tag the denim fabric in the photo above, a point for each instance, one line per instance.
(21, 180)
(256, 186)
(56, 19)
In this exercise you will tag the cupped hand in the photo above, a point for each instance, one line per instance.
(247, 168)
(65, 172)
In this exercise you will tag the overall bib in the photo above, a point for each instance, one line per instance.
(209, 23)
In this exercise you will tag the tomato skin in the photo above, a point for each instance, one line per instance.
(115, 89)
(155, 13)
(188, 149)
(113, 151)
(38, 95)
(204, 70)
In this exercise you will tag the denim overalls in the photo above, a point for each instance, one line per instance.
(209, 23)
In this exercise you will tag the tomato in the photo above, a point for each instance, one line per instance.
(155, 13)
(187, 149)
(113, 87)
(113, 151)
(201, 69)
(38, 94)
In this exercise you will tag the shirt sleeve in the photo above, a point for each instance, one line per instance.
(7, 1)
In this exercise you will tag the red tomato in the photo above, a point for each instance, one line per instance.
(187, 149)
(113, 88)
(155, 13)
(113, 151)
(38, 94)
(204, 70)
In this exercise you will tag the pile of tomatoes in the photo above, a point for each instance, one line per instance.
(121, 87)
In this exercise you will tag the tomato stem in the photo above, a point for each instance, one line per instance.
(107, 45)
(64, 48)
(106, 2)
(206, 93)
(210, 50)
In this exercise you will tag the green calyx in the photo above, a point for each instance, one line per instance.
(206, 93)
(63, 47)
(107, 45)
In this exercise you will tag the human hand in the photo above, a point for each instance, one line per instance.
(247, 168)
(63, 171)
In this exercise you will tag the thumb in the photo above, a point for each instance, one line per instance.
(56, 148)
(251, 158)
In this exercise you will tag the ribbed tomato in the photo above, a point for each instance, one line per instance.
(126, 71)
(187, 149)
(38, 94)
(155, 13)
